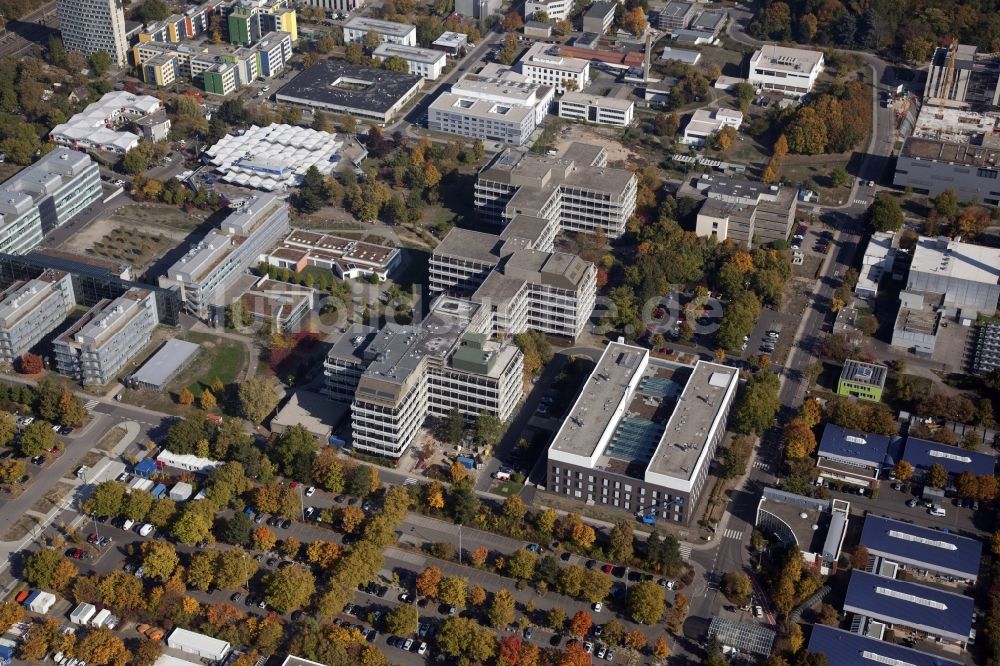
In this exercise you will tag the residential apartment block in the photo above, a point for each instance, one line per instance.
(90, 26)
(504, 106)
(111, 334)
(337, 5)
(575, 191)
(210, 268)
(31, 309)
(545, 65)
(596, 109)
(642, 434)
(96, 127)
(358, 28)
(517, 278)
(248, 21)
(349, 259)
(399, 375)
(44, 196)
(786, 70)
(745, 211)
(428, 63)
(194, 22)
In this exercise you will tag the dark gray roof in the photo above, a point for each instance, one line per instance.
(317, 84)
(844, 648)
(600, 9)
(928, 609)
(922, 453)
(922, 547)
(854, 445)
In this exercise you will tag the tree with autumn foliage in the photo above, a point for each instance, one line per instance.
(429, 581)
(31, 364)
(799, 439)
(512, 21)
(634, 21)
(580, 624)
(262, 538)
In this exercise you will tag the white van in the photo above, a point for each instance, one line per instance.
(937, 510)
(146, 529)
(502, 475)
(127, 525)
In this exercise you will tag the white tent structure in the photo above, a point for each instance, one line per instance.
(275, 157)
(204, 646)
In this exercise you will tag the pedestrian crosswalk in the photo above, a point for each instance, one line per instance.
(863, 202)
(91, 404)
(410, 481)
(732, 534)
(685, 551)
(761, 464)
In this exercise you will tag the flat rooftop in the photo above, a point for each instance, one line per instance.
(512, 112)
(339, 83)
(174, 354)
(853, 446)
(872, 374)
(959, 153)
(23, 297)
(922, 547)
(845, 648)
(783, 58)
(922, 453)
(695, 418)
(409, 53)
(20, 192)
(954, 259)
(365, 24)
(807, 519)
(597, 100)
(352, 344)
(551, 56)
(928, 609)
(677, 9)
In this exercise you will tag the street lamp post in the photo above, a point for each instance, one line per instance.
(460, 544)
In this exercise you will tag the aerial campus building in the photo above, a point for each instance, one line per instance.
(397, 376)
(747, 212)
(101, 342)
(31, 309)
(848, 648)
(94, 127)
(786, 70)
(596, 109)
(922, 551)
(44, 196)
(575, 191)
(496, 106)
(816, 527)
(210, 268)
(349, 259)
(862, 380)
(428, 63)
(706, 122)
(517, 278)
(546, 65)
(358, 28)
(642, 433)
(365, 93)
(90, 26)
(973, 84)
(275, 157)
(852, 456)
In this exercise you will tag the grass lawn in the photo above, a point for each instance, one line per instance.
(506, 488)
(226, 358)
(820, 175)
(170, 216)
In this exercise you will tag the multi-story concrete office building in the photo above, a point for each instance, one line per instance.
(642, 434)
(596, 109)
(545, 65)
(504, 107)
(99, 344)
(399, 375)
(517, 278)
(44, 196)
(90, 26)
(451, 43)
(599, 17)
(358, 28)
(969, 166)
(675, 15)
(786, 70)
(428, 63)
(557, 10)
(349, 259)
(31, 309)
(962, 277)
(477, 9)
(704, 123)
(366, 93)
(576, 191)
(745, 211)
(974, 82)
(878, 260)
(208, 270)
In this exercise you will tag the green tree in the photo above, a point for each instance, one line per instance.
(101, 62)
(937, 476)
(744, 95)
(489, 429)
(194, 523)
(402, 620)
(395, 64)
(290, 588)
(159, 559)
(236, 530)
(200, 572)
(462, 637)
(137, 160)
(453, 590)
(40, 565)
(136, 506)
(758, 403)
(12, 470)
(234, 567)
(37, 439)
(521, 564)
(455, 426)
(8, 428)
(839, 177)
(294, 452)
(620, 542)
(736, 586)
(106, 499)
(807, 133)
(885, 213)
(646, 602)
(257, 397)
(501, 611)
(152, 10)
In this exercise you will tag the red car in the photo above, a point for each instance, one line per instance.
(77, 554)
(607, 568)
(92, 538)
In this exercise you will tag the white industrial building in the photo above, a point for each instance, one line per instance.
(94, 127)
(962, 277)
(358, 28)
(111, 334)
(46, 195)
(641, 435)
(543, 64)
(557, 10)
(201, 645)
(596, 109)
(82, 614)
(30, 310)
(427, 63)
(706, 122)
(504, 106)
(210, 268)
(878, 259)
(786, 70)
(275, 157)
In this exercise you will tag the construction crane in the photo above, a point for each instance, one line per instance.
(949, 75)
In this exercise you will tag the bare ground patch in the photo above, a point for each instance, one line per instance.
(595, 137)
(111, 438)
(52, 497)
(20, 529)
